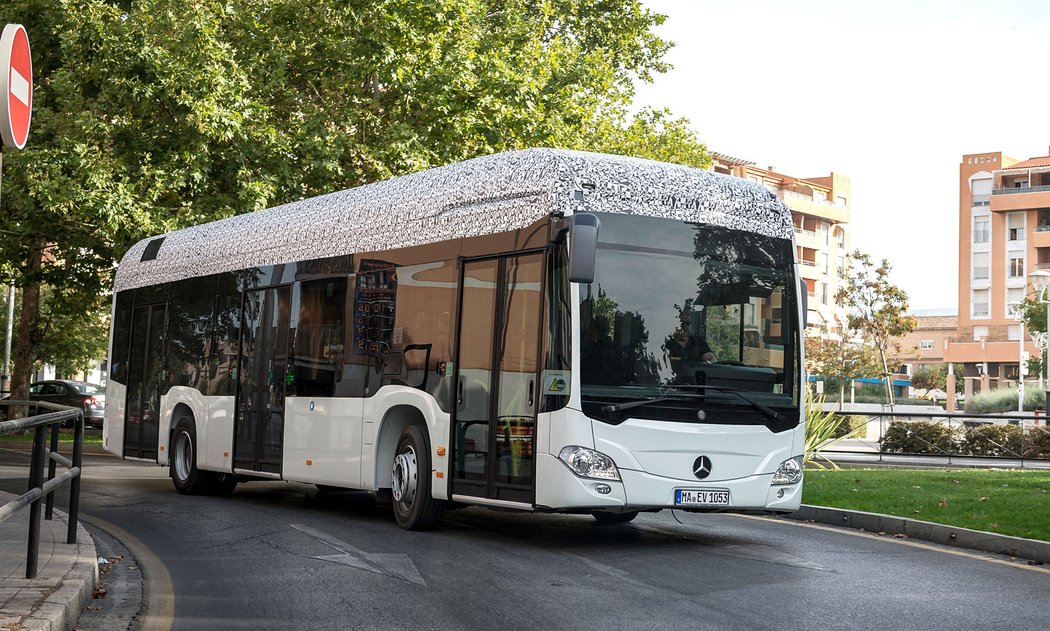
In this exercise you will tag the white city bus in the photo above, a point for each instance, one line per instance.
(540, 330)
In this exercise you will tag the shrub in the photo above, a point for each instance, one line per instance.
(1003, 441)
(1037, 442)
(852, 426)
(919, 437)
(1004, 400)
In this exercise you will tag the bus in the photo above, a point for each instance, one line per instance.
(542, 330)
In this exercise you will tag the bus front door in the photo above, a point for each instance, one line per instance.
(261, 375)
(145, 378)
(497, 355)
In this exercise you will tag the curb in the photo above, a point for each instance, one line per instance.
(1029, 549)
(61, 608)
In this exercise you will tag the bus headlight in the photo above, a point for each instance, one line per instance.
(588, 463)
(789, 471)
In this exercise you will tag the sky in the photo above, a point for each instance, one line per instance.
(891, 94)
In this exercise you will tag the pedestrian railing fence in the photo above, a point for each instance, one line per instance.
(45, 417)
(1017, 437)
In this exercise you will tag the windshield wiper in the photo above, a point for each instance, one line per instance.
(613, 408)
(768, 411)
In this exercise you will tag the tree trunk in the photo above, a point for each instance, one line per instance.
(886, 379)
(28, 333)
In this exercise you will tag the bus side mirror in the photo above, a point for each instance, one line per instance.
(583, 248)
(803, 292)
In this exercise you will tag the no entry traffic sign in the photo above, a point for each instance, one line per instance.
(16, 86)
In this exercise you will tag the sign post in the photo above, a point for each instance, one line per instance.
(16, 110)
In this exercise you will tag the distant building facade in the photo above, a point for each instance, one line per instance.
(820, 211)
(926, 344)
(1004, 235)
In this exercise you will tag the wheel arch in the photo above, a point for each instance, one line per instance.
(181, 409)
(394, 422)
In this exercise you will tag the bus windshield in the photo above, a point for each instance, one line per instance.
(689, 308)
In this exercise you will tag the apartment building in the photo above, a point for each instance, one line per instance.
(1004, 235)
(926, 344)
(820, 211)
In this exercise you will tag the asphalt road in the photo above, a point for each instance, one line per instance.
(282, 556)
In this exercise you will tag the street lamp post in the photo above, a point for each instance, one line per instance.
(1040, 280)
(1015, 308)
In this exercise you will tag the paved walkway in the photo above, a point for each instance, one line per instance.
(66, 573)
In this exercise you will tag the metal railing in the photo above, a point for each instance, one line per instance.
(38, 487)
(1016, 437)
(1020, 189)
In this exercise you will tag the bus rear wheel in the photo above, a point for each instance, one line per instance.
(414, 506)
(188, 479)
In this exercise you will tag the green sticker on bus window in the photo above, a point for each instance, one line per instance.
(556, 383)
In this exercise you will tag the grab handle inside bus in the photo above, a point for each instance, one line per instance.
(583, 247)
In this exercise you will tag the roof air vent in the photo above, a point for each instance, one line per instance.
(150, 253)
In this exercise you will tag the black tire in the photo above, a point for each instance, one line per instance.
(221, 484)
(613, 518)
(188, 479)
(414, 506)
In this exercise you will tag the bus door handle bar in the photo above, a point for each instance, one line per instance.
(459, 397)
(532, 388)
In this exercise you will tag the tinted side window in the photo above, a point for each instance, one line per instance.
(320, 347)
(118, 366)
(189, 331)
(222, 360)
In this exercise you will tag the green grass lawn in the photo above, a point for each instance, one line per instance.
(1011, 502)
(91, 436)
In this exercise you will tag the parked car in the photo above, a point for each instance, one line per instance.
(77, 394)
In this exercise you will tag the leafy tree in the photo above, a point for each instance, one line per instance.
(877, 310)
(1033, 313)
(157, 114)
(840, 357)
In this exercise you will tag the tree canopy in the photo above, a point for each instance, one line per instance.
(157, 114)
(876, 309)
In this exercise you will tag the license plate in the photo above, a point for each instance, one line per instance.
(700, 497)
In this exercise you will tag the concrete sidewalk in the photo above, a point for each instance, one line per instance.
(66, 574)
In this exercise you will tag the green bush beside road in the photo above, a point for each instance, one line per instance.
(1011, 502)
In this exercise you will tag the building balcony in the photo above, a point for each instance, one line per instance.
(1025, 198)
(1041, 238)
(972, 352)
(806, 205)
(809, 239)
(809, 269)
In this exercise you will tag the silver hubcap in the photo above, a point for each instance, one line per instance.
(183, 455)
(404, 476)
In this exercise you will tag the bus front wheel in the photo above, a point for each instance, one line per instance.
(414, 506)
(613, 518)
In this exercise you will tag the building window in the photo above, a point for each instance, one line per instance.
(1014, 297)
(979, 303)
(979, 332)
(1016, 267)
(827, 262)
(980, 230)
(980, 266)
(926, 345)
(823, 293)
(1015, 226)
(1013, 332)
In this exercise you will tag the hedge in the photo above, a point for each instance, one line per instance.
(1002, 441)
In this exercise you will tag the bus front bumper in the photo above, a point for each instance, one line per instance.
(560, 490)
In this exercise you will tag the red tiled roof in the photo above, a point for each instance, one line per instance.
(1031, 163)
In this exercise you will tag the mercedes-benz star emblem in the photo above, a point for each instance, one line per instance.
(702, 467)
